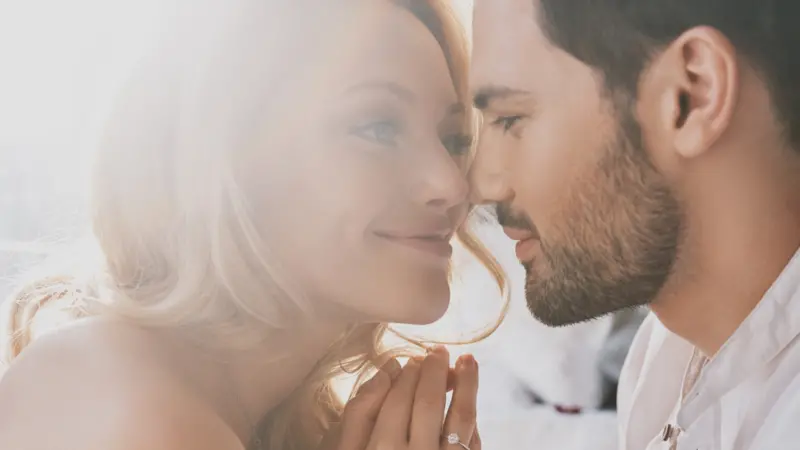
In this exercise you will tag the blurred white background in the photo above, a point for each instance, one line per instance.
(59, 63)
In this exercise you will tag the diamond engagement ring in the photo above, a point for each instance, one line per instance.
(453, 439)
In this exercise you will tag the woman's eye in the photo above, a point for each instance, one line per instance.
(383, 132)
(507, 122)
(457, 144)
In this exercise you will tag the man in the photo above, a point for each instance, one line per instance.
(648, 152)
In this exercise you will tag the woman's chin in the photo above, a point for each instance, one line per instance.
(425, 308)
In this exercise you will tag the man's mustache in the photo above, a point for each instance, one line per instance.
(507, 217)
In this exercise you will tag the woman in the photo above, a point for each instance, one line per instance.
(280, 180)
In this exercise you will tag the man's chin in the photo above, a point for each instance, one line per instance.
(554, 320)
(561, 312)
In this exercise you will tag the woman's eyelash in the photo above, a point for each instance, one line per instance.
(383, 132)
(387, 132)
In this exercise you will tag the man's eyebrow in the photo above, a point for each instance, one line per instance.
(395, 89)
(486, 94)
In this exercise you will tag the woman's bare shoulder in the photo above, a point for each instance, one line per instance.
(96, 384)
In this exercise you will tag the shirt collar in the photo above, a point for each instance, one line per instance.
(771, 327)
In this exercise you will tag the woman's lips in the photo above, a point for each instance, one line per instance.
(429, 242)
(436, 246)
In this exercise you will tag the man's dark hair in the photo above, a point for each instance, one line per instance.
(617, 37)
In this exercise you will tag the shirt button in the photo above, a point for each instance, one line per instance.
(666, 433)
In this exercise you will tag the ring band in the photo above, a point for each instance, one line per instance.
(453, 439)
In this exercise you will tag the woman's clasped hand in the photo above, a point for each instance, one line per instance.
(404, 408)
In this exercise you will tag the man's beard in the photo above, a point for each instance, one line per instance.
(618, 236)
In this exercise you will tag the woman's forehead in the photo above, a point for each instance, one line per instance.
(386, 42)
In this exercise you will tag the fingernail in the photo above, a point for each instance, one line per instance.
(467, 361)
(391, 368)
(439, 350)
(415, 361)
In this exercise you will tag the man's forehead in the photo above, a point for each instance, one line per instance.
(504, 9)
(508, 43)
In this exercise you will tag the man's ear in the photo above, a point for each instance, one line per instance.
(699, 89)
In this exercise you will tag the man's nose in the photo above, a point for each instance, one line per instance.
(488, 175)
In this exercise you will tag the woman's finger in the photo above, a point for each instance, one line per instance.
(429, 400)
(332, 438)
(361, 412)
(393, 368)
(475, 443)
(394, 417)
(451, 379)
(460, 420)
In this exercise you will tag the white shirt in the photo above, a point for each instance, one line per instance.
(746, 398)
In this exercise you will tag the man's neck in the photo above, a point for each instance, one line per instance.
(734, 262)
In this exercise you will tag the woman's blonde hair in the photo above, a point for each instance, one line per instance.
(177, 245)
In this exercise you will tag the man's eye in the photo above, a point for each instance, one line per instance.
(382, 132)
(506, 122)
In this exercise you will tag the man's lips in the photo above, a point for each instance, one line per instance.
(527, 242)
(526, 250)
(519, 234)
